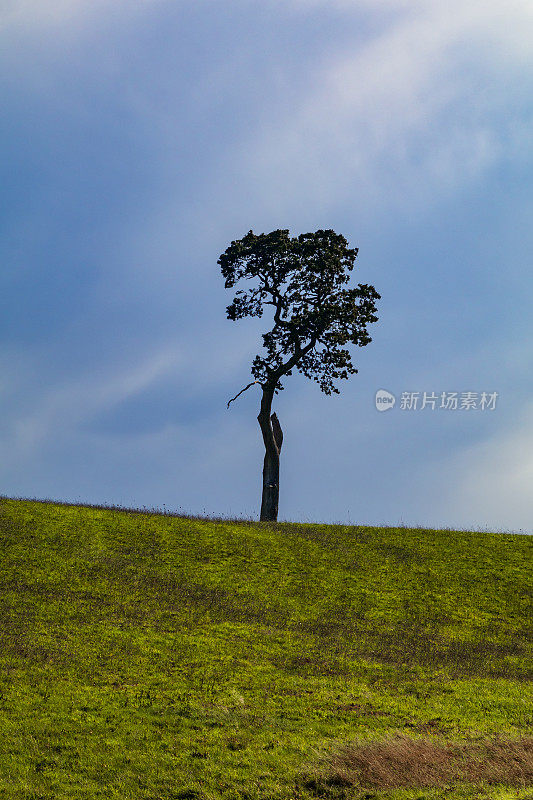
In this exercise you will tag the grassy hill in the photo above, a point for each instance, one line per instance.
(150, 656)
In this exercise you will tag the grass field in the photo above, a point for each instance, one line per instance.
(151, 656)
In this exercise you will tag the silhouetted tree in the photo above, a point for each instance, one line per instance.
(302, 278)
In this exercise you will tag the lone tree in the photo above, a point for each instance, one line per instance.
(302, 278)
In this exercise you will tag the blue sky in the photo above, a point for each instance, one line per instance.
(140, 138)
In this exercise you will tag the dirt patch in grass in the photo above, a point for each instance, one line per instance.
(402, 761)
(431, 726)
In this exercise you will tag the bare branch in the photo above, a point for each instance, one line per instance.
(242, 390)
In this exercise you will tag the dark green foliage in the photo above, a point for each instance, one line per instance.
(303, 278)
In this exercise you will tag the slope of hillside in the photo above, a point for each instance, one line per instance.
(150, 656)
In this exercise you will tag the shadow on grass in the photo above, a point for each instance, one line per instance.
(410, 643)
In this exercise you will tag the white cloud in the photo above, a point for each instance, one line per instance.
(426, 106)
(488, 484)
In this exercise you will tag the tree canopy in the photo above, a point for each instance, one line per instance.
(304, 279)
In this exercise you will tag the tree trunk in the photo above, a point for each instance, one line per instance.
(273, 439)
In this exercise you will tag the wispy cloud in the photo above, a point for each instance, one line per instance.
(188, 368)
(62, 407)
(57, 13)
(423, 108)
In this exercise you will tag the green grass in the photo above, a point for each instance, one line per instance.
(151, 656)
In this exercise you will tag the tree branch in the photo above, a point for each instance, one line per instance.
(296, 357)
(242, 390)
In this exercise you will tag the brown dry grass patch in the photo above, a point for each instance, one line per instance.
(404, 762)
